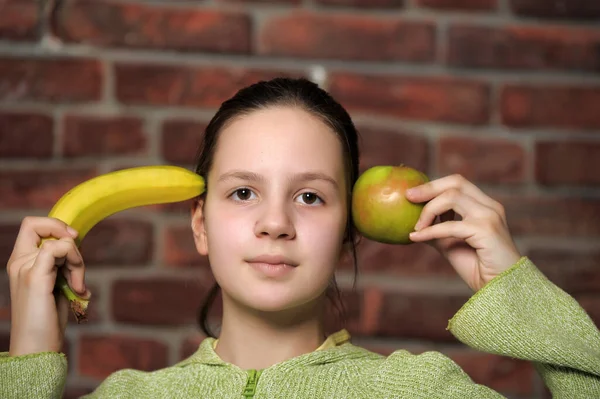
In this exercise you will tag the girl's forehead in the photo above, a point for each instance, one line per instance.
(279, 137)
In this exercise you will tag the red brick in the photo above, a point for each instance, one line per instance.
(505, 375)
(572, 9)
(463, 5)
(418, 316)
(190, 345)
(295, 2)
(180, 140)
(174, 85)
(100, 136)
(574, 271)
(4, 296)
(103, 23)
(403, 260)
(38, 188)
(119, 242)
(99, 356)
(158, 301)
(57, 79)
(526, 47)
(350, 317)
(421, 98)
(19, 20)
(552, 216)
(560, 107)
(389, 147)
(348, 38)
(482, 160)
(180, 249)
(4, 341)
(364, 3)
(567, 163)
(25, 135)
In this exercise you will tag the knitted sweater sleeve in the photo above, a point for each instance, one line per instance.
(39, 375)
(524, 315)
(519, 314)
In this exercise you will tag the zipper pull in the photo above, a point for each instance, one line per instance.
(250, 388)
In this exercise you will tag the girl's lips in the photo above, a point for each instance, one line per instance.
(272, 270)
(273, 260)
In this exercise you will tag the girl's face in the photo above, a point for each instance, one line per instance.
(276, 194)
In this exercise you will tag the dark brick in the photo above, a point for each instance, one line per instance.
(26, 135)
(461, 5)
(180, 140)
(19, 20)
(388, 147)
(572, 9)
(55, 80)
(99, 356)
(525, 47)
(482, 160)
(105, 23)
(574, 271)
(184, 86)
(364, 3)
(119, 242)
(38, 188)
(180, 249)
(103, 136)
(420, 98)
(552, 216)
(567, 163)
(158, 301)
(548, 106)
(348, 38)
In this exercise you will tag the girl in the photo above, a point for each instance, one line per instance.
(280, 159)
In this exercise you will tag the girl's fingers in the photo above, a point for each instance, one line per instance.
(450, 201)
(456, 229)
(53, 250)
(33, 229)
(432, 189)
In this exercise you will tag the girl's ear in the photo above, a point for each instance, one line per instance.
(198, 226)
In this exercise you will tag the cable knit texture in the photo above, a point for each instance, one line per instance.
(519, 314)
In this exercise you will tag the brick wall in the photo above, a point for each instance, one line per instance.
(506, 92)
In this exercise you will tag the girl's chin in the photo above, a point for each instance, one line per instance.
(272, 301)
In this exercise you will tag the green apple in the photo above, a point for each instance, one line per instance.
(380, 209)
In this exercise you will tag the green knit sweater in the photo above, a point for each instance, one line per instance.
(519, 314)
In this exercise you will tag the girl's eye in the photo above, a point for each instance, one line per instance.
(243, 194)
(310, 198)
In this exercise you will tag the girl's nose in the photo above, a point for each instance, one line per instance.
(275, 222)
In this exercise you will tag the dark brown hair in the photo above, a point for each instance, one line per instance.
(293, 93)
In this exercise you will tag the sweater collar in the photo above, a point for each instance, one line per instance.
(206, 353)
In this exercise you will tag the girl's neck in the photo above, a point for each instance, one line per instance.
(252, 340)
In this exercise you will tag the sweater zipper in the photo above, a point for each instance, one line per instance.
(250, 388)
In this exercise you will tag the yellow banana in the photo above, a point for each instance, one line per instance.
(88, 203)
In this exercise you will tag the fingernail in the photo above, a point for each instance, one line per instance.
(72, 231)
(418, 226)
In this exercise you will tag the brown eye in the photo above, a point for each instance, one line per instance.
(310, 198)
(243, 194)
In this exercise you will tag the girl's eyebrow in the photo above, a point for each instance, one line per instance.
(255, 177)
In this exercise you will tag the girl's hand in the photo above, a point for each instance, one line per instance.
(37, 321)
(479, 246)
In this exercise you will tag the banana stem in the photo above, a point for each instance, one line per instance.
(77, 304)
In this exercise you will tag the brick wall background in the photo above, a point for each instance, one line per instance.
(506, 92)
